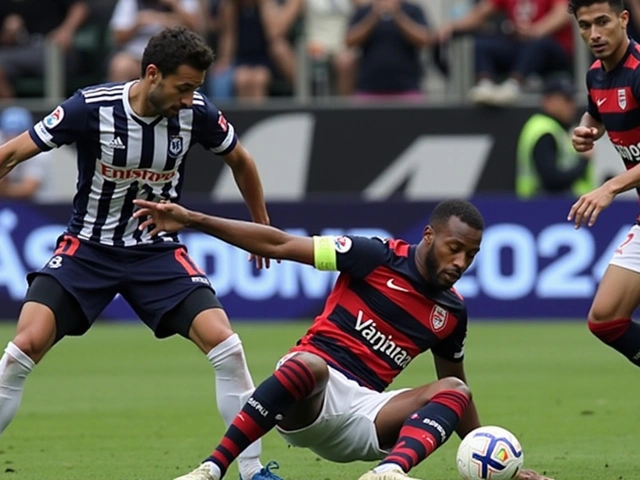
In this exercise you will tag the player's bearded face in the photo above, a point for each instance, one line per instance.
(167, 107)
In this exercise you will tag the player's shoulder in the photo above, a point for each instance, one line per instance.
(201, 105)
(632, 61)
(102, 94)
(453, 301)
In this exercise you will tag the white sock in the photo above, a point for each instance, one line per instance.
(15, 365)
(386, 467)
(234, 386)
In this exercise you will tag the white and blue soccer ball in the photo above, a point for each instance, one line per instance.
(489, 453)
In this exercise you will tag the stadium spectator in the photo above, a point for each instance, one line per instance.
(134, 22)
(27, 181)
(547, 163)
(391, 35)
(254, 46)
(333, 65)
(25, 27)
(538, 39)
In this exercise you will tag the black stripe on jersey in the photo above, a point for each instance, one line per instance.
(346, 322)
(148, 146)
(181, 168)
(345, 357)
(119, 160)
(173, 130)
(125, 214)
(401, 320)
(620, 122)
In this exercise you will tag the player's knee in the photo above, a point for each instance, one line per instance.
(600, 313)
(454, 383)
(318, 368)
(32, 344)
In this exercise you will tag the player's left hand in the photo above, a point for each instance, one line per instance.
(165, 217)
(586, 210)
(531, 475)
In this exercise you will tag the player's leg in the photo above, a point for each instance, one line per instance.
(292, 398)
(617, 297)
(49, 312)
(415, 423)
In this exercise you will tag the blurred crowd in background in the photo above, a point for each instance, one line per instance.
(365, 49)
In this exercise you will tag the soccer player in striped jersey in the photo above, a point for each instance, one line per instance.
(391, 302)
(613, 106)
(132, 140)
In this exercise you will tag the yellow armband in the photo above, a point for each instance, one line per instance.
(324, 253)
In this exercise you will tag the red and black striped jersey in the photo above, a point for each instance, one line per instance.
(381, 314)
(614, 98)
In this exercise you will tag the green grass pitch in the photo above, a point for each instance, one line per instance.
(119, 405)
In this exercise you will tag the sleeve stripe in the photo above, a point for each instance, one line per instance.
(231, 134)
(39, 132)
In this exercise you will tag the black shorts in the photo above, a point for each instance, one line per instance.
(153, 279)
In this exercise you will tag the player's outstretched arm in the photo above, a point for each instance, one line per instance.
(262, 240)
(15, 151)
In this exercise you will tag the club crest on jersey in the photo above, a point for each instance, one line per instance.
(343, 244)
(222, 123)
(54, 118)
(438, 317)
(622, 98)
(175, 146)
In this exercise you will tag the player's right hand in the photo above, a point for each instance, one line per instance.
(163, 217)
(531, 475)
(583, 138)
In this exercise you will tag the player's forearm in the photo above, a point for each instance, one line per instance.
(262, 240)
(469, 421)
(248, 181)
(624, 181)
(588, 121)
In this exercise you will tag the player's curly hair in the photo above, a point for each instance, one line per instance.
(176, 46)
(462, 209)
(574, 5)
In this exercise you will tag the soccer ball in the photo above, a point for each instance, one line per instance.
(489, 453)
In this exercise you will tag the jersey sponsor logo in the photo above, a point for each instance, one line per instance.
(116, 173)
(393, 286)
(222, 122)
(54, 118)
(380, 342)
(439, 317)
(175, 146)
(343, 244)
(630, 153)
(622, 98)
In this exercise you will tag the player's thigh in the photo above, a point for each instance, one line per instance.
(344, 430)
(618, 294)
(399, 408)
(48, 314)
(172, 295)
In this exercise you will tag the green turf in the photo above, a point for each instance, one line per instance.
(119, 405)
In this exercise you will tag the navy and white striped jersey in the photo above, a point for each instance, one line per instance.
(122, 156)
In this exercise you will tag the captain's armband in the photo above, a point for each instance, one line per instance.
(324, 253)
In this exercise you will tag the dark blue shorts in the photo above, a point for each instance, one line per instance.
(153, 279)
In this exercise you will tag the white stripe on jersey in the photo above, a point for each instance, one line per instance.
(107, 132)
(98, 91)
(134, 156)
(44, 135)
(103, 99)
(227, 141)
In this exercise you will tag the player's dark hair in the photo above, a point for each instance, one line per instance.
(462, 209)
(574, 5)
(176, 46)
